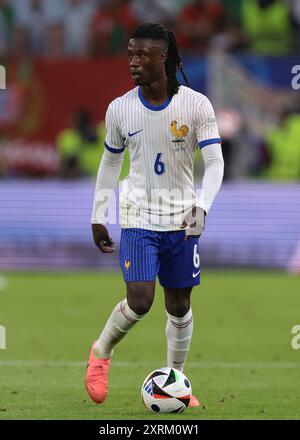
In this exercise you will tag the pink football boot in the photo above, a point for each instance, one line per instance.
(96, 379)
(193, 402)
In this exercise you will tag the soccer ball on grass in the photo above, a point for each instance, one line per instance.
(166, 390)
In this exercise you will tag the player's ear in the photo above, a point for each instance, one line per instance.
(164, 55)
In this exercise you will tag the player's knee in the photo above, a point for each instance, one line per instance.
(140, 299)
(177, 301)
(178, 308)
(140, 307)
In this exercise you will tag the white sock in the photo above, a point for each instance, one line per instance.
(120, 321)
(179, 333)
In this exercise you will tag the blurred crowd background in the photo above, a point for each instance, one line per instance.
(79, 28)
(65, 60)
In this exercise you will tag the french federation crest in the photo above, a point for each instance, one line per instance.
(179, 133)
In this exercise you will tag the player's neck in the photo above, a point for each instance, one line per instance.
(157, 92)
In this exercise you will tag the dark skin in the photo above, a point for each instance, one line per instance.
(147, 66)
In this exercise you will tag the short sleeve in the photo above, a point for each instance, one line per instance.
(206, 128)
(114, 141)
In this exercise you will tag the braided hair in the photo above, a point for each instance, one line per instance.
(155, 31)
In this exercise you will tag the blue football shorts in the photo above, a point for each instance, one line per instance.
(145, 254)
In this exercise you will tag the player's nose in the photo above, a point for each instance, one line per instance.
(134, 61)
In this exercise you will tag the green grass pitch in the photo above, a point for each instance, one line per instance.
(241, 362)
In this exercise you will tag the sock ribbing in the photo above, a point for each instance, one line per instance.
(122, 319)
(179, 333)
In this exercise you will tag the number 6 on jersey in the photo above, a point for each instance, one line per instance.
(159, 166)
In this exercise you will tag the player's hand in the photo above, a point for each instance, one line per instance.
(195, 222)
(102, 239)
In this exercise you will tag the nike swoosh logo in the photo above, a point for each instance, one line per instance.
(195, 274)
(133, 134)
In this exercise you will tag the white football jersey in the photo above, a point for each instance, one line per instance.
(161, 140)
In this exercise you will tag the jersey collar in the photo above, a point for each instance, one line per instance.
(151, 106)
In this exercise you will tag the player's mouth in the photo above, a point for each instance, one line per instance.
(135, 76)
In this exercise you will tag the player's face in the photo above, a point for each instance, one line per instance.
(146, 60)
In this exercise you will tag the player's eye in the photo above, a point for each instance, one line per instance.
(131, 55)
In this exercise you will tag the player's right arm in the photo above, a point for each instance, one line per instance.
(107, 180)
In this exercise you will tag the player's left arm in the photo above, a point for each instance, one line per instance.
(210, 144)
(211, 183)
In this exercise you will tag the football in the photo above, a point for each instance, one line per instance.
(166, 390)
